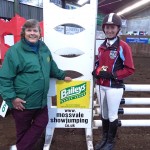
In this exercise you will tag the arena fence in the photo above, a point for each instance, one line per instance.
(142, 102)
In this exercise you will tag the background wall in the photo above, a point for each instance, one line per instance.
(138, 22)
(138, 49)
(26, 11)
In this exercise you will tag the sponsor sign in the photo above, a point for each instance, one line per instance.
(137, 40)
(69, 118)
(74, 94)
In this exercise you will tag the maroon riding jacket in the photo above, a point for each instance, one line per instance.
(118, 60)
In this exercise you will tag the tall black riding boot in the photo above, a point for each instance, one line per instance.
(105, 128)
(111, 135)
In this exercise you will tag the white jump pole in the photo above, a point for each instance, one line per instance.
(137, 87)
(134, 111)
(131, 87)
(127, 111)
(130, 101)
(135, 101)
(125, 123)
(133, 123)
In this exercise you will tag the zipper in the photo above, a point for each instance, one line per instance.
(40, 62)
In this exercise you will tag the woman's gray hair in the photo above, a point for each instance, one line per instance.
(31, 23)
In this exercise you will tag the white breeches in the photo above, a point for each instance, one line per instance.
(109, 102)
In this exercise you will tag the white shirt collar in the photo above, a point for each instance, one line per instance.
(111, 42)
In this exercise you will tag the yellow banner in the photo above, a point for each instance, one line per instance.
(74, 94)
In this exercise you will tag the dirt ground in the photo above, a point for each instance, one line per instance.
(128, 138)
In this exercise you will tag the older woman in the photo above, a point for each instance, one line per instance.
(24, 83)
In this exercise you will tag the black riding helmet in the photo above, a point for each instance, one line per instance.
(111, 19)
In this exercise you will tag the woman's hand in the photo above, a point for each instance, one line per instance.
(105, 75)
(18, 104)
(67, 79)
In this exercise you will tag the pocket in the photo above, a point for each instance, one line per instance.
(22, 94)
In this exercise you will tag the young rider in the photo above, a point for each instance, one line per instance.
(114, 64)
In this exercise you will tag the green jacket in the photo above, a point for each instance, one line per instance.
(25, 74)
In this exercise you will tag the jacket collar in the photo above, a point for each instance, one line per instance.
(114, 46)
(26, 47)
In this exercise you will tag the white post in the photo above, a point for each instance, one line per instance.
(83, 46)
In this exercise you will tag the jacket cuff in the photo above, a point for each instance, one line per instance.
(115, 75)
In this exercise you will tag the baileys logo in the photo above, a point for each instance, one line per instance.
(72, 93)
